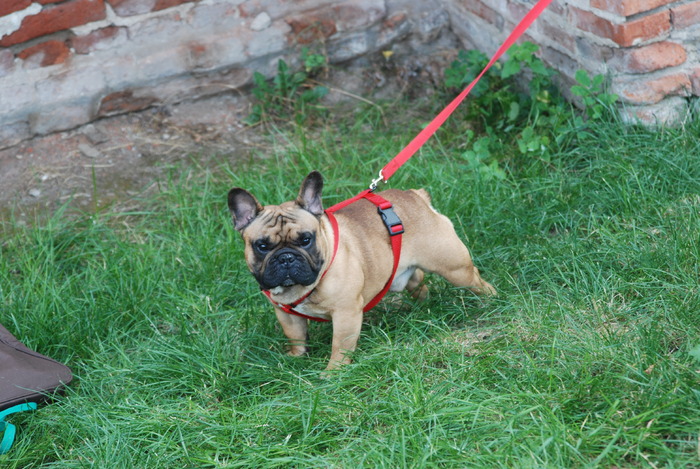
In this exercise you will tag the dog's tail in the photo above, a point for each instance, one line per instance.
(424, 195)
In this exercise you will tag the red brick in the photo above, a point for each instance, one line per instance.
(640, 91)
(395, 21)
(349, 17)
(163, 4)
(56, 18)
(139, 7)
(563, 36)
(483, 11)
(308, 28)
(124, 101)
(96, 40)
(628, 7)
(653, 57)
(564, 63)
(11, 6)
(46, 53)
(46, 2)
(670, 112)
(328, 20)
(624, 34)
(687, 15)
(592, 50)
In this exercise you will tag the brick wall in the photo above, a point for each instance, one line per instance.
(649, 49)
(64, 63)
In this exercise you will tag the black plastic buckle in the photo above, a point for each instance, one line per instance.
(391, 220)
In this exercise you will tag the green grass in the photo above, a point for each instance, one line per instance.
(581, 361)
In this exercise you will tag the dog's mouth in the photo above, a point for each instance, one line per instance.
(288, 282)
(280, 287)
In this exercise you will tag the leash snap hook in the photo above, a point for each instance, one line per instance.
(373, 184)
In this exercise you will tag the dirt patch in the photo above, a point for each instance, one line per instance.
(118, 158)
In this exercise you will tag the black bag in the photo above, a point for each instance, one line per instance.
(26, 377)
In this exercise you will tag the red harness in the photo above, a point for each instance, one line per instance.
(394, 227)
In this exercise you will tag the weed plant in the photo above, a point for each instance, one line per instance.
(587, 358)
(291, 93)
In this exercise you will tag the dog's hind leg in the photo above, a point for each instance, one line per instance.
(450, 259)
(416, 287)
(468, 276)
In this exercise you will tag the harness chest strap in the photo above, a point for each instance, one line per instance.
(393, 225)
(395, 228)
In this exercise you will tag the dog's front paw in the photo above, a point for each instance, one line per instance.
(486, 289)
(297, 350)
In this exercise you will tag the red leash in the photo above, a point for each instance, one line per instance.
(384, 207)
(410, 149)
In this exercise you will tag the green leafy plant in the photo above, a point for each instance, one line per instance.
(533, 143)
(535, 116)
(480, 159)
(595, 100)
(464, 70)
(289, 92)
(314, 62)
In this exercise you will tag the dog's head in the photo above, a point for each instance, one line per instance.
(284, 248)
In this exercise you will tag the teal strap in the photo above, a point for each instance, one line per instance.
(9, 429)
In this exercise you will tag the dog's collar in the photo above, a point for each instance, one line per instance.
(394, 227)
(289, 308)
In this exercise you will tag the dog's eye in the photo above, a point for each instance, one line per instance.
(262, 246)
(306, 240)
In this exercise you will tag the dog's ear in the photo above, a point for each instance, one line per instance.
(243, 207)
(310, 193)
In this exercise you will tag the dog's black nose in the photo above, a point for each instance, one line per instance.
(285, 258)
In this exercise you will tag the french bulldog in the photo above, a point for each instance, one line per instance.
(331, 270)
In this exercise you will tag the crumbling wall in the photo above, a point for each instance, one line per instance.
(64, 63)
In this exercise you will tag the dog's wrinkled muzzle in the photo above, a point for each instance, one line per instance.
(286, 268)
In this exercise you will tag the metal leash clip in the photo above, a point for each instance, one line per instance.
(373, 184)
